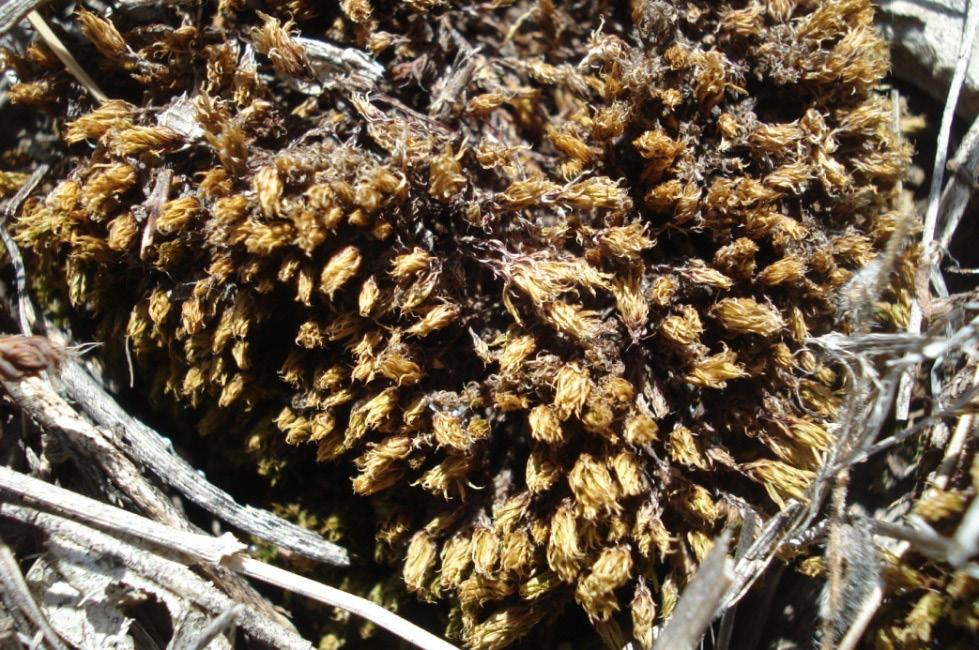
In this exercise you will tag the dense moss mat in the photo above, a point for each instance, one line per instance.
(530, 281)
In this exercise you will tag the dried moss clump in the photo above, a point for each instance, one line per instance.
(539, 276)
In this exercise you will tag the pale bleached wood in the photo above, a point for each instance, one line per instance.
(204, 548)
(224, 551)
(150, 449)
(700, 601)
(66, 536)
(331, 596)
(67, 58)
(14, 11)
(17, 594)
(100, 448)
(41, 402)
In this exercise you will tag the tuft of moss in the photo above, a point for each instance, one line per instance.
(540, 291)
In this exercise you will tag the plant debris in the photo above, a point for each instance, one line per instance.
(536, 278)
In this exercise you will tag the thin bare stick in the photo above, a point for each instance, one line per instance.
(745, 538)
(760, 555)
(149, 449)
(920, 425)
(868, 608)
(223, 622)
(929, 254)
(336, 598)
(25, 311)
(16, 589)
(955, 446)
(67, 538)
(224, 551)
(13, 11)
(862, 619)
(939, 479)
(52, 41)
(204, 548)
(925, 540)
(40, 400)
(700, 600)
(955, 198)
(948, 115)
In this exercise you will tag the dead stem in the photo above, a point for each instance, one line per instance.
(59, 49)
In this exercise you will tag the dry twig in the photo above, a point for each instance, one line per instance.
(38, 399)
(939, 479)
(17, 594)
(218, 626)
(14, 11)
(202, 548)
(67, 538)
(699, 602)
(66, 57)
(25, 311)
(961, 185)
(336, 598)
(223, 551)
(149, 449)
(929, 255)
(745, 539)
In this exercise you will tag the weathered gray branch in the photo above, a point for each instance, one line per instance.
(14, 11)
(18, 595)
(964, 168)
(149, 449)
(67, 537)
(204, 549)
(40, 401)
(700, 600)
